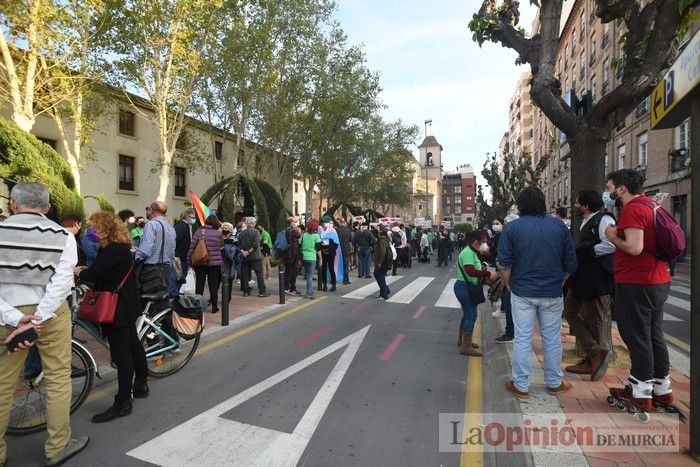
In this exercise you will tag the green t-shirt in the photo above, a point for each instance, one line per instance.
(308, 246)
(137, 232)
(265, 237)
(430, 238)
(467, 256)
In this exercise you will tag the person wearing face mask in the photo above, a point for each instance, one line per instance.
(642, 283)
(469, 271)
(496, 229)
(137, 231)
(536, 255)
(587, 303)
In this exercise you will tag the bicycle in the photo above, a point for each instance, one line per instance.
(166, 354)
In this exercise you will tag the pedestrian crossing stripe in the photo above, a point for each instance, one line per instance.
(369, 289)
(411, 291)
(680, 289)
(447, 297)
(678, 303)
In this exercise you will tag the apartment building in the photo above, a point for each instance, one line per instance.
(587, 59)
(459, 195)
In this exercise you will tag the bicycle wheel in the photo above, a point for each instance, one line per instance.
(28, 411)
(166, 352)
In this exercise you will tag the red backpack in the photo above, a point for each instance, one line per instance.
(670, 238)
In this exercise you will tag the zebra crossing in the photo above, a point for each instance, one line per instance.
(408, 291)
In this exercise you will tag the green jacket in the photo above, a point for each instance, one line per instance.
(381, 249)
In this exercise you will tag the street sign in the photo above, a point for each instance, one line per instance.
(669, 106)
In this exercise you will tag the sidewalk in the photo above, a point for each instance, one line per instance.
(591, 397)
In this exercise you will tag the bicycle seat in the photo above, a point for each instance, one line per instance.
(155, 296)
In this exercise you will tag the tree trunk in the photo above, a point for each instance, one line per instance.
(164, 176)
(22, 120)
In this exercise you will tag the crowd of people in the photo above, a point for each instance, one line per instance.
(546, 278)
(615, 264)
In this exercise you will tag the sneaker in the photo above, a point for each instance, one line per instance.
(296, 292)
(310, 297)
(504, 339)
(264, 294)
(627, 394)
(520, 394)
(73, 447)
(561, 389)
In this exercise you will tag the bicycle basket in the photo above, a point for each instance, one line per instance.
(188, 315)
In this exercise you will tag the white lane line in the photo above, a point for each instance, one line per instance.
(411, 291)
(670, 317)
(678, 303)
(680, 289)
(447, 297)
(208, 439)
(369, 289)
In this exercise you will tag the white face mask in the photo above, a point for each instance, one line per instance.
(496, 227)
(131, 220)
(483, 248)
(326, 225)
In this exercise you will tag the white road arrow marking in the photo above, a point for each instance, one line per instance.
(208, 439)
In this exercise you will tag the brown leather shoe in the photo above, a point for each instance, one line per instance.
(599, 364)
(561, 389)
(581, 368)
(467, 347)
(520, 394)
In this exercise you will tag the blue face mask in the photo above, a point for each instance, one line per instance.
(609, 199)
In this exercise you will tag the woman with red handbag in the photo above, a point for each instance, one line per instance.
(112, 271)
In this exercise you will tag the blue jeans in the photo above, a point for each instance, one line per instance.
(526, 312)
(507, 308)
(468, 308)
(364, 262)
(380, 277)
(309, 268)
(346, 268)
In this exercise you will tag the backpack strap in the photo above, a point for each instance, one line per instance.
(654, 207)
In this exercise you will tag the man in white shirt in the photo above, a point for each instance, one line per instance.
(587, 305)
(37, 258)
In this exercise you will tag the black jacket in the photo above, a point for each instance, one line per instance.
(107, 271)
(364, 239)
(182, 239)
(594, 277)
(345, 237)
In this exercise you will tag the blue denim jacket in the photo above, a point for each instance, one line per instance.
(538, 250)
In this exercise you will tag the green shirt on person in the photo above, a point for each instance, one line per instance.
(136, 232)
(308, 246)
(468, 257)
(265, 237)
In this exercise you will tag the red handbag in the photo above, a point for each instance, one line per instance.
(100, 307)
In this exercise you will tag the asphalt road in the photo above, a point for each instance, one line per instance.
(343, 381)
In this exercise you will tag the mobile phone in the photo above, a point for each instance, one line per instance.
(29, 335)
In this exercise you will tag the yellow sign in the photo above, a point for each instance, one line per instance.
(678, 82)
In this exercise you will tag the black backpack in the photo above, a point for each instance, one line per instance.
(396, 238)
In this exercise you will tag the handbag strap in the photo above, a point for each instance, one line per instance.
(464, 274)
(162, 241)
(128, 273)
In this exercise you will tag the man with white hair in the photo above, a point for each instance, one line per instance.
(37, 258)
(249, 243)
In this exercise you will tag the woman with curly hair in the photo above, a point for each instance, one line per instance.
(113, 262)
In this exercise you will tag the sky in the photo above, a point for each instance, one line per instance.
(431, 69)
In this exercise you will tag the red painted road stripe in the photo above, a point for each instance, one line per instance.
(307, 340)
(360, 306)
(420, 311)
(392, 347)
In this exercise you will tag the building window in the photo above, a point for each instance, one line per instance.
(643, 151)
(458, 190)
(592, 59)
(126, 173)
(607, 162)
(296, 187)
(420, 207)
(126, 123)
(683, 136)
(573, 42)
(458, 210)
(583, 23)
(593, 90)
(642, 108)
(180, 181)
(296, 208)
(218, 150)
(621, 154)
(241, 157)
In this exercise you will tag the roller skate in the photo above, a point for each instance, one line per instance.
(663, 398)
(634, 398)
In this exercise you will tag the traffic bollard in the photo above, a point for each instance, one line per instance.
(225, 297)
(281, 285)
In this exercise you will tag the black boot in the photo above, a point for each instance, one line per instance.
(325, 287)
(140, 389)
(333, 289)
(118, 409)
